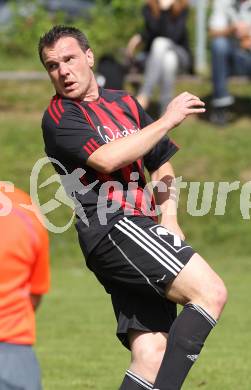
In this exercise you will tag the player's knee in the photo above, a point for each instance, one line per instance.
(219, 295)
(215, 296)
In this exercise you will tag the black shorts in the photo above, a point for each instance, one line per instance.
(134, 263)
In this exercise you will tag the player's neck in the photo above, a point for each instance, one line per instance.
(92, 92)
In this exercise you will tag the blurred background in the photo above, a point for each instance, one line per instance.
(76, 345)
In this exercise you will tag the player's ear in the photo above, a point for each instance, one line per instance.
(90, 57)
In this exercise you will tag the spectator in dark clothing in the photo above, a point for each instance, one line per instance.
(110, 73)
(165, 38)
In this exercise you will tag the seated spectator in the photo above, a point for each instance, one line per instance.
(24, 278)
(110, 73)
(166, 45)
(230, 31)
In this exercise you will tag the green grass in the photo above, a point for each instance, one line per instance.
(75, 325)
(19, 63)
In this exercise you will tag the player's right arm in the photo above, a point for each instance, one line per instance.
(122, 152)
(72, 141)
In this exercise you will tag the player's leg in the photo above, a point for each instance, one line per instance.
(198, 283)
(188, 280)
(150, 356)
(141, 309)
(139, 256)
(133, 381)
(203, 295)
(137, 315)
(147, 351)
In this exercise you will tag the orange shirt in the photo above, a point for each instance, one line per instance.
(24, 267)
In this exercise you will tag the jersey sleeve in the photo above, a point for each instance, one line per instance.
(71, 136)
(162, 151)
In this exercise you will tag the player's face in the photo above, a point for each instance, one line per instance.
(70, 69)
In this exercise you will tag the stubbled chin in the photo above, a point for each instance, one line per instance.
(71, 94)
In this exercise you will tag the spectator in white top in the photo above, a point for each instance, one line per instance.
(230, 32)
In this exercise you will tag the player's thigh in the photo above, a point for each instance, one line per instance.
(141, 256)
(197, 280)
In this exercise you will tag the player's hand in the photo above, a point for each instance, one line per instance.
(181, 107)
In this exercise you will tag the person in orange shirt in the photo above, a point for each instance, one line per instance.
(24, 278)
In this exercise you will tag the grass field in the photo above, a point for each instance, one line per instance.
(76, 344)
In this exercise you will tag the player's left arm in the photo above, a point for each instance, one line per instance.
(167, 200)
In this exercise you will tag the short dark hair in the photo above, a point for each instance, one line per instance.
(57, 32)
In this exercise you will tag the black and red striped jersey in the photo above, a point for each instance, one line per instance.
(72, 131)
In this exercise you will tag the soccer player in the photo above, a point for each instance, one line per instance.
(146, 267)
(24, 278)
